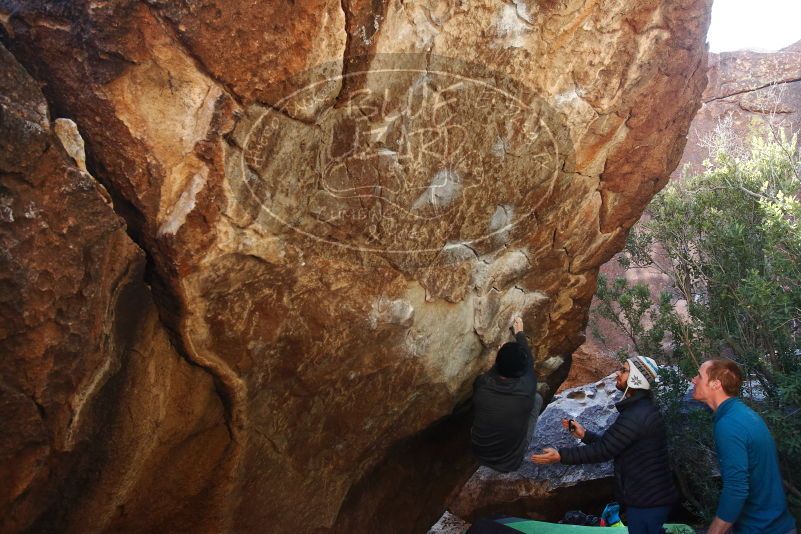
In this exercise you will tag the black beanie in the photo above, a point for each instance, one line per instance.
(511, 360)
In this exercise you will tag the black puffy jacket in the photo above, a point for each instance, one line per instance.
(638, 444)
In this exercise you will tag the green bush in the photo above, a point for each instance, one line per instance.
(728, 242)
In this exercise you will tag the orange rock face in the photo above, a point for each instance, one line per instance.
(590, 363)
(342, 205)
(100, 414)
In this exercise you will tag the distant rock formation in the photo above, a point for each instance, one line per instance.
(338, 207)
(748, 93)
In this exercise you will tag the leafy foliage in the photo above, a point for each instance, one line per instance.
(728, 242)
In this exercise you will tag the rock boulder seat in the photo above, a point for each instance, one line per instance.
(512, 525)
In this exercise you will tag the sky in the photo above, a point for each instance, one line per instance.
(762, 25)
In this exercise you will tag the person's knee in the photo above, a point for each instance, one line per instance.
(532, 419)
(537, 403)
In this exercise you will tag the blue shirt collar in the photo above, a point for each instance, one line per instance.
(724, 408)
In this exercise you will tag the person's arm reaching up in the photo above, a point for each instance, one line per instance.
(520, 337)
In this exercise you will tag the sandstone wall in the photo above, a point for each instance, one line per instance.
(103, 422)
(341, 205)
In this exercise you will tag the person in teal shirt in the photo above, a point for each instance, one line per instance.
(752, 499)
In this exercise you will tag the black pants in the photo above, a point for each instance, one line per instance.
(646, 520)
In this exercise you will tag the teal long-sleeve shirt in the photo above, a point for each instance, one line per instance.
(753, 496)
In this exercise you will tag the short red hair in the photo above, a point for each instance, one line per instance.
(728, 373)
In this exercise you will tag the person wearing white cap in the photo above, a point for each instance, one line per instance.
(637, 442)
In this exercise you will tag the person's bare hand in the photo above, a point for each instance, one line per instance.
(517, 325)
(547, 456)
(577, 431)
(719, 526)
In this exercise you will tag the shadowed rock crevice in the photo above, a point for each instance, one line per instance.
(363, 21)
(441, 451)
(105, 58)
(84, 350)
(169, 303)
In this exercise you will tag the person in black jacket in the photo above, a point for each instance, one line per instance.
(506, 406)
(637, 442)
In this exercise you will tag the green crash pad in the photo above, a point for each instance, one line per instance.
(529, 526)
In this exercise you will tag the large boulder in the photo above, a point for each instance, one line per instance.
(100, 414)
(342, 205)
